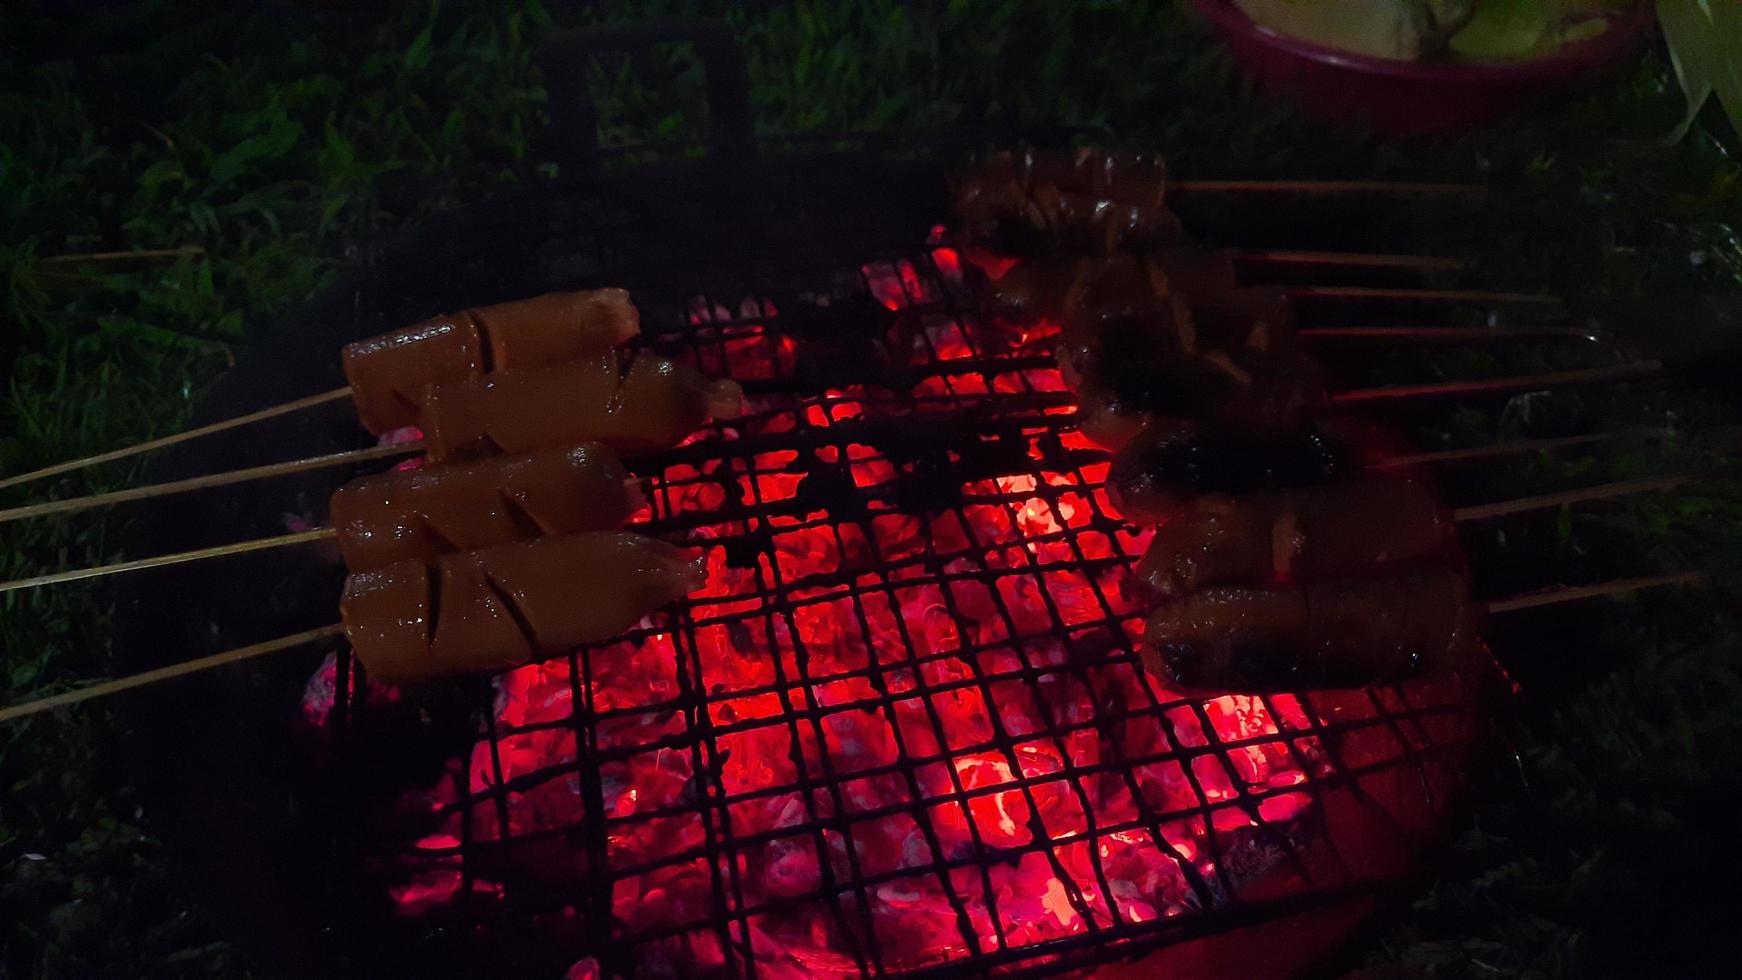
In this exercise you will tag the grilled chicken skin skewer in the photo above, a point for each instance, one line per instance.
(1156, 478)
(1137, 351)
(424, 513)
(647, 402)
(1332, 634)
(499, 607)
(1092, 201)
(390, 373)
(1075, 292)
(1311, 535)
(1163, 398)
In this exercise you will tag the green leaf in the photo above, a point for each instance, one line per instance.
(338, 156)
(417, 56)
(281, 134)
(1705, 46)
(23, 675)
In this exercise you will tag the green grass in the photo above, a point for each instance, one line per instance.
(277, 140)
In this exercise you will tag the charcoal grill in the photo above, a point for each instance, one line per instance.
(902, 731)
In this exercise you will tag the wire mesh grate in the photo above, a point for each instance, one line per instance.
(904, 729)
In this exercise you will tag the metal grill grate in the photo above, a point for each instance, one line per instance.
(890, 739)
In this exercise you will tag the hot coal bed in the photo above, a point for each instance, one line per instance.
(903, 730)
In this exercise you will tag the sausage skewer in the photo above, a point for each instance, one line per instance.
(499, 607)
(632, 491)
(388, 372)
(1501, 385)
(1330, 531)
(648, 403)
(1103, 201)
(1309, 535)
(1048, 288)
(1496, 607)
(1343, 633)
(424, 513)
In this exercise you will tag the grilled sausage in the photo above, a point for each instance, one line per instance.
(499, 607)
(422, 514)
(1307, 535)
(649, 403)
(1156, 478)
(1335, 634)
(389, 373)
(557, 328)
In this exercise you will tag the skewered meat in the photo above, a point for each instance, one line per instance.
(557, 327)
(1343, 633)
(1122, 397)
(499, 607)
(649, 402)
(1063, 288)
(1093, 202)
(1158, 476)
(389, 373)
(1307, 535)
(422, 514)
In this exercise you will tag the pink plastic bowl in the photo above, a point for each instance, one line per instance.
(1402, 98)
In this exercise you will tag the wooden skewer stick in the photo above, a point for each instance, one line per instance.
(1475, 296)
(1360, 260)
(1575, 593)
(165, 673)
(211, 480)
(1473, 513)
(1497, 386)
(1445, 334)
(137, 255)
(1547, 501)
(337, 394)
(1321, 187)
(160, 561)
(1532, 600)
(637, 487)
(1511, 448)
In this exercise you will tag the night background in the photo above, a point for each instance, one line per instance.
(255, 154)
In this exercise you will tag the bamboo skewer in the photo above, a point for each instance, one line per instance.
(1421, 295)
(1497, 386)
(1445, 334)
(337, 394)
(211, 480)
(1477, 512)
(1357, 260)
(1277, 256)
(1529, 600)
(147, 254)
(1322, 187)
(1576, 593)
(166, 673)
(160, 561)
(1605, 491)
(1353, 396)
(1511, 448)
